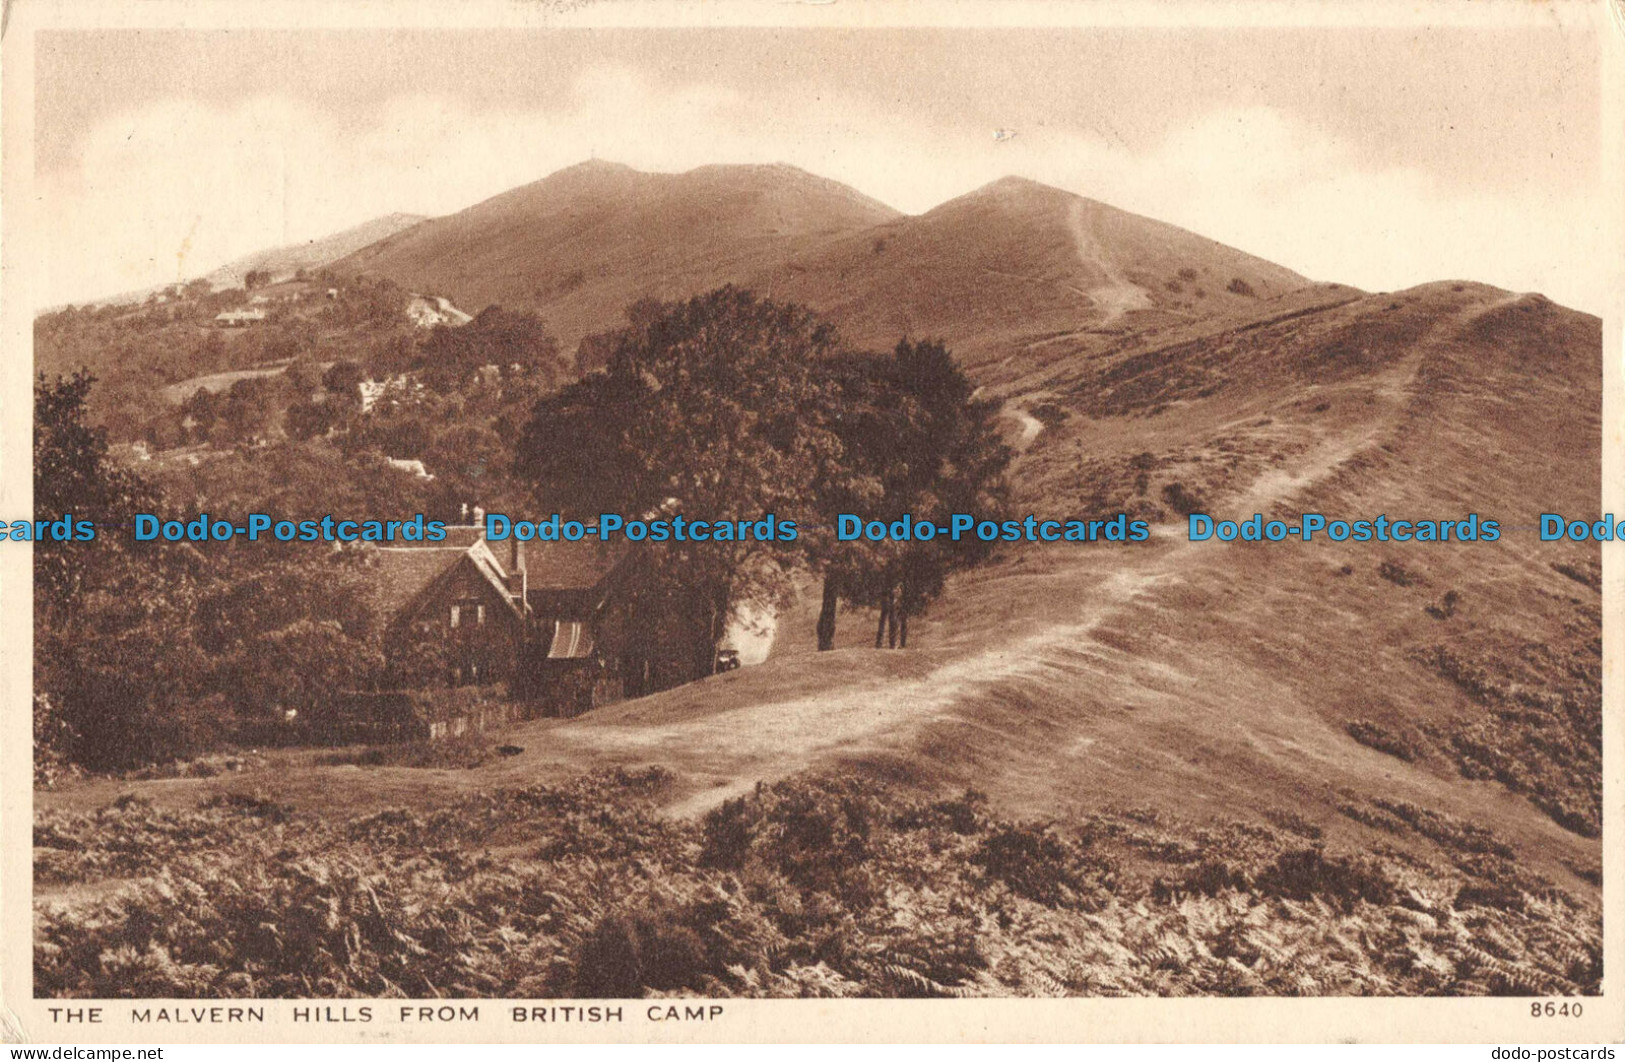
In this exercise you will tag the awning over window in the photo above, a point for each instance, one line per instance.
(572, 640)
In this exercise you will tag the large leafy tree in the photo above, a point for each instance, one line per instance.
(517, 342)
(707, 409)
(74, 474)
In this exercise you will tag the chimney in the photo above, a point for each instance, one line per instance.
(479, 520)
(465, 512)
(518, 578)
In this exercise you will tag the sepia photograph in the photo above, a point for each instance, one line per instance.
(612, 518)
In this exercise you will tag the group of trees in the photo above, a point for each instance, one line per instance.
(727, 406)
(137, 351)
(157, 650)
(915, 442)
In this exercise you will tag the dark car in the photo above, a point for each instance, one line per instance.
(727, 659)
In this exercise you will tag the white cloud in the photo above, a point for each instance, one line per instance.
(176, 189)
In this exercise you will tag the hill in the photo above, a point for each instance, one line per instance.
(1011, 265)
(1017, 265)
(283, 262)
(583, 243)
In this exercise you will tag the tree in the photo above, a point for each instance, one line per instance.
(517, 342)
(935, 449)
(307, 419)
(342, 380)
(301, 666)
(74, 474)
(702, 411)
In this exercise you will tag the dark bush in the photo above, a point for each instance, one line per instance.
(1208, 878)
(1375, 736)
(964, 814)
(817, 832)
(1400, 575)
(1034, 863)
(1490, 894)
(1446, 606)
(1182, 500)
(629, 952)
(1238, 286)
(251, 804)
(728, 831)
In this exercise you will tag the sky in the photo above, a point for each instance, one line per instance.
(1375, 157)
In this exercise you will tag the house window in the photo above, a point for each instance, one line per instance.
(468, 610)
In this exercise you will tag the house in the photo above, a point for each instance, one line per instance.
(239, 318)
(414, 466)
(528, 614)
(396, 387)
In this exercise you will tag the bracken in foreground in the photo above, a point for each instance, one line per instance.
(811, 887)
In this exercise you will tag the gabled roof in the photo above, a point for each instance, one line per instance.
(405, 573)
(579, 565)
(402, 573)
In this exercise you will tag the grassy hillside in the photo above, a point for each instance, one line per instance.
(820, 888)
(583, 243)
(1018, 265)
(1007, 268)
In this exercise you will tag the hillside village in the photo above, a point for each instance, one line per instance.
(1192, 730)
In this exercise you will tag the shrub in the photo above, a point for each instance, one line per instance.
(598, 894)
(1208, 878)
(1183, 500)
(1309, 872)
(965, 814)
(728, 832)
(458, 753)
(817, 832)
(1238, 286)
(1490, 894)
(1034, 863)
(1375, 736)
(1400, 575)
(628, 952)
(1446, 606)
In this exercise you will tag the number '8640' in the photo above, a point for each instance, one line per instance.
(1553, 1009)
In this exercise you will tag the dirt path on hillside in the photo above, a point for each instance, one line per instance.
(757, 740)
(1029, 426)
(1117, 296)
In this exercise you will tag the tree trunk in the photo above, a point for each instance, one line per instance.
(714, 634)
(902, 632)
(826, 614)
(880, 628)
(894, 605)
